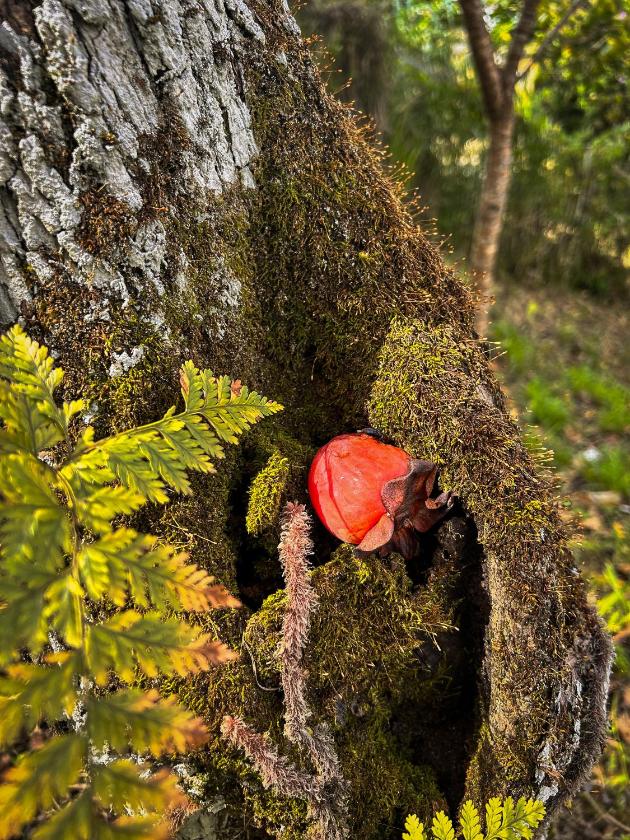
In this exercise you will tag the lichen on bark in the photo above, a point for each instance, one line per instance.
(176, 183)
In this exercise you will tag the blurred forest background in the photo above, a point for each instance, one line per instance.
(559, 330)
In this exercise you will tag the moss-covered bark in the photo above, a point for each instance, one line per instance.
(299, 270)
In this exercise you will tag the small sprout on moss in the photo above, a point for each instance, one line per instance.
(265, 494)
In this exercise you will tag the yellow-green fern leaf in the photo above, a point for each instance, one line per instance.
(145, 721)
(442, 827)
(470, 823)
(414, 829)
(39, 780)
(31, 693)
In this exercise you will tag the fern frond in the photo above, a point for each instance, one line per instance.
(414, 829)
(191, 449)
(23, 621)
(442, 827)
(145, 722)
(192, 386)
(98, 507)
(81, 819)
(521, 819)
(76, 820)
(151, 643)
(58, 548)
(38, 780)
(31, 693)
(87, 466)
(34, 529)
(124, 561)
(470, 823)
(494, 817)
(32, 419)
(203, 436)
(231, 411)
(134, 828)
(133, 471)
(168, 580)
(129, 782)
(64, 608)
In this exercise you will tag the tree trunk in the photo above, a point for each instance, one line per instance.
(177, 184)
(491, 212)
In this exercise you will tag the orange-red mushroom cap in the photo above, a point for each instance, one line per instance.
(372, 494)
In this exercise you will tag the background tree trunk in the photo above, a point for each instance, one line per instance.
(490, 214)
(176, 183)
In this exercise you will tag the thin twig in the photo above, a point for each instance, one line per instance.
(251, 656)
(605, 815)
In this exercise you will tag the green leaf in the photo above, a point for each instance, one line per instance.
(23, 620)
(518, 821)
(129, 782)
(64, 609)
(34, 529)
(191, 452)
(39, 780)
(166, 463)
(203, 436)
(470, 823)
(442, 828)
(232, 411)
(97, 509)
(152, 643)
(132, 470)
(145, 722)
(414, 829)
(75, 820)
(123, 560)
(192, 388)
(31, 417)
(32, 693)
(72, 408)
(81, 819)
(86, 467)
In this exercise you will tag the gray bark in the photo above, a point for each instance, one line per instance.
(122, 71)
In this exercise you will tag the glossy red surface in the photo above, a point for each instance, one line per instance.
(346, 479)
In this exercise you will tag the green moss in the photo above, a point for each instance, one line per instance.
(265, 494)
(376, 667)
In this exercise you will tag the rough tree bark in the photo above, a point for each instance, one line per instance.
(176, 183)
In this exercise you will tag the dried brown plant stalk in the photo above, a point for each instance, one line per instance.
(325, 789)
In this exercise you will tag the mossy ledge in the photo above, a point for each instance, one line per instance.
(481, 670)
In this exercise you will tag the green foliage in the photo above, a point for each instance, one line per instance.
(64, 565)
(545, 406)
(567, 216)
(611, 397)
(611, 470)
(265, 494)
(505, 820)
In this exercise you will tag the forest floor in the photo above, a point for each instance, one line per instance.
(564, 359)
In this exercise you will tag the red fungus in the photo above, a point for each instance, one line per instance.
(374, 495)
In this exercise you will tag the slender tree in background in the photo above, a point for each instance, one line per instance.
(498, 82)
